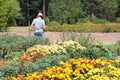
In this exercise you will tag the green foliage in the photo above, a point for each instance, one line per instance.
(104, 9)
(10, 69)
(115, 49)
(83, 20)
(118, 12)
(92, 52)
(53, 23)
(118, 47)
(64, 11)
(14, 43)
(84, 40)
(66, 36)
(3, 15)
(100, 21)
(50, 61)
(87, 27)
(15, 67)
(92, 18)
(13, 12)
(8, 12)
(109, 29)
(117, 20)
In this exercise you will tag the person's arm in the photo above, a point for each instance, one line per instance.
(32, 24)
(44, 25)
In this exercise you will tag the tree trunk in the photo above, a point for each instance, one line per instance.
(44, 8)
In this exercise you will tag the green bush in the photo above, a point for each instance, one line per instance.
(118, 20)
(118, 47)
(53, 23)
(100, 21)
(14, 43)
(109, 29)
(66, 36)
(92, 17)
(42, 64)
(84, 40)
(83, 20)
(12, 68)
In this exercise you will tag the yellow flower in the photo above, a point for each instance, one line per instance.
(61, 62)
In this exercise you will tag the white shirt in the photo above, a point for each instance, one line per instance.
(38, 24)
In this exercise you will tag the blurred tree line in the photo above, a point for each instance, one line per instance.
(22, 12)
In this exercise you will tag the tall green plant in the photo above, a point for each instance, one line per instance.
(9, 10)
(85, 40)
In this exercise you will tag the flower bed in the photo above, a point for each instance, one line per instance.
(78, 69)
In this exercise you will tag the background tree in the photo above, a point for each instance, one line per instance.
(9, 10)
(118, 10)
(64, 11)
(105, 9)
(30, 8)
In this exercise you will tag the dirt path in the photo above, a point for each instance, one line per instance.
(110, 38)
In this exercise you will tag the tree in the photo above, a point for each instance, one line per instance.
(9, 10)
(64, 11)
(108, 8)
(29, 9)
(13, 11)
(3, 15)
(118, 10)
(105, 9)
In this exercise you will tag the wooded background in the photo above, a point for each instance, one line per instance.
(22, 12)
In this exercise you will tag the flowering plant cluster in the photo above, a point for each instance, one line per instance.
(78, 69)
(54, 48)
(72, 44)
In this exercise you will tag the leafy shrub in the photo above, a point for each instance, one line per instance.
(92, 18)
(14, 43)
(84, 40)
(83, 20)
(66, 36)
(118, 47)
(10, 69)
(109, 29)
(118, 20)
(53, 23)
(93, 52)
(13, 68)
(100, 21)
